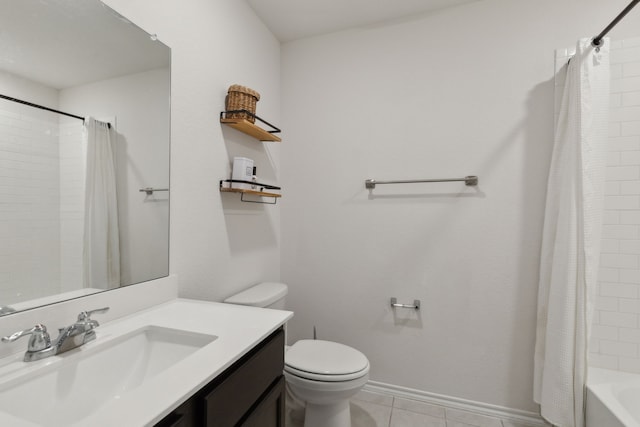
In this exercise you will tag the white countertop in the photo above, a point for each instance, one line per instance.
(238, 329)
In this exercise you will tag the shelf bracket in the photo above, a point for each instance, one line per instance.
(223, 115)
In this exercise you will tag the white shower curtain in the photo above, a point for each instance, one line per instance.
(571, 238)
(101, 246)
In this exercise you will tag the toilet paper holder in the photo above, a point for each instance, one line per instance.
(415, 305)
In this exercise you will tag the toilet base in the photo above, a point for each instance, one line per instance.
(334, 415)
(327, 402)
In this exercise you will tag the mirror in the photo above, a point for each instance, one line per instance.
(80, 58)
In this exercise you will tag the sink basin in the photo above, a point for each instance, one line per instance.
(73, 386)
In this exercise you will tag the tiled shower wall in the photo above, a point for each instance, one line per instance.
(73, 153)
(615, 340)
(29, 203)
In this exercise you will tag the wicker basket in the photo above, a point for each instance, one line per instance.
(241, 98)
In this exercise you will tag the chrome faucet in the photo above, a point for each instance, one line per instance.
(73, 336)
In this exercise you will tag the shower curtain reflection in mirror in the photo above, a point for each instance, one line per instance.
(101, 251)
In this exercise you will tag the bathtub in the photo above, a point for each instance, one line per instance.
(613, 399)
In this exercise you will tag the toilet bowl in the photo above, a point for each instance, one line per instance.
(323, 374)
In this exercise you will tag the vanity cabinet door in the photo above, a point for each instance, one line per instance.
(182, 416)
(241, 389)
(250, 393)
(270, 410)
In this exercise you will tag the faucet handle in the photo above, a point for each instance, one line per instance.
(85, 316)
(39, 340)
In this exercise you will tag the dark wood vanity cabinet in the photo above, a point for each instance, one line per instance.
(250, 393)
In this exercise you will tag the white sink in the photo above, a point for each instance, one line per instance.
(75, 385)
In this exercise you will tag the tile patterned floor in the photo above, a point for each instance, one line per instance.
(377, 410)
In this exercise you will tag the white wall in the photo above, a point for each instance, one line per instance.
(468, 90)
(218, 245)
(27, 90)
(140, 105)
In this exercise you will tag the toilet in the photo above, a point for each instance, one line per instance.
(323, 374)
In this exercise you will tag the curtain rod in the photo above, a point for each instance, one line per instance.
(31, 104)
(597, 40)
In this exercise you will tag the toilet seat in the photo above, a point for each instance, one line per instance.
(326, 361)
(325, 378)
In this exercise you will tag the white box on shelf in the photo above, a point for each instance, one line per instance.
(242, 170)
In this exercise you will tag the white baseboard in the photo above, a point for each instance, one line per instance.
(515, 415)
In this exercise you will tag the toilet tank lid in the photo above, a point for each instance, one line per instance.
(260, 295)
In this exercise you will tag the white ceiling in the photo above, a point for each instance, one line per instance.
(295, 19)
(65, 43)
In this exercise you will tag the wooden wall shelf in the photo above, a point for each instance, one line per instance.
(251, 192)
(251, 129)
(255, 131)
(245, 191)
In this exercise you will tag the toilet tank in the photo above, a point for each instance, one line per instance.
(266, 295)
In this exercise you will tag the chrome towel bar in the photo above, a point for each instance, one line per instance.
(415, 305)
(471, 180)
(150, 190)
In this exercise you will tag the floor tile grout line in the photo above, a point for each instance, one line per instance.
(394, 400)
